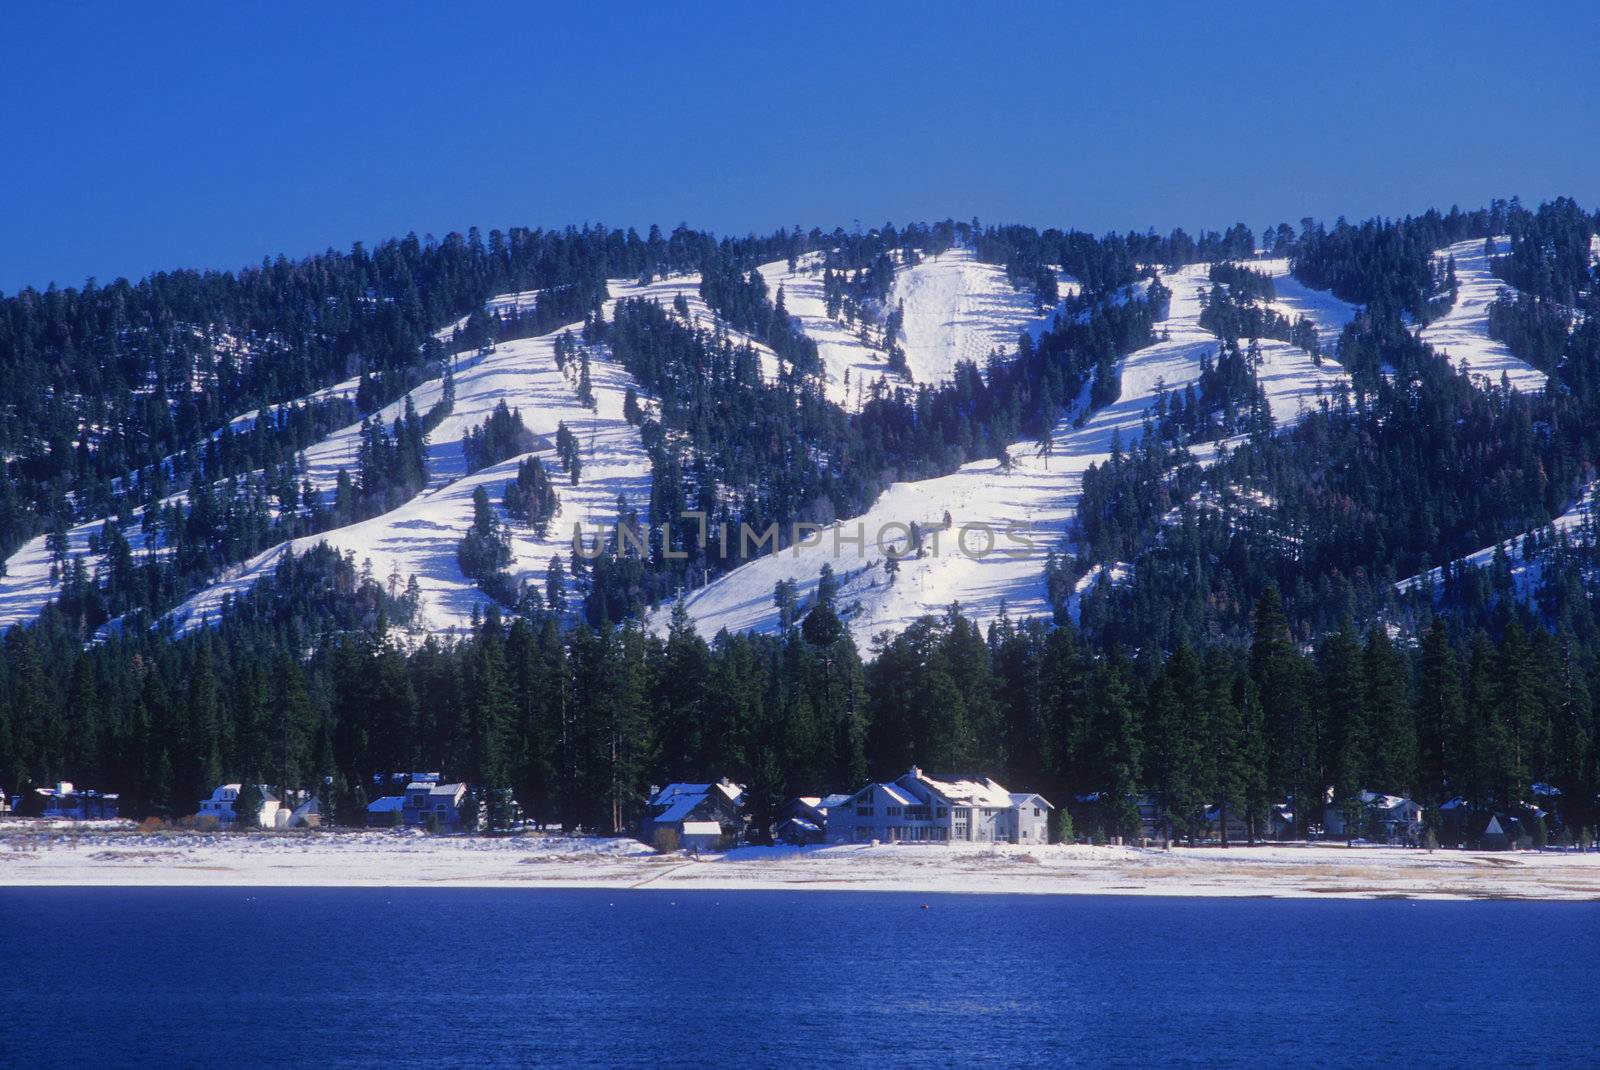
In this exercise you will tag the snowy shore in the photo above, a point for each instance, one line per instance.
(34, 855)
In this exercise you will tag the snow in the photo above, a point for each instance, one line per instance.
(32, 855)
(844, 354)
(420, 538)
(1029, 509)
(1294, 299)
(959, 308)
(956, 308)
(1525, 574)
(1463, 333)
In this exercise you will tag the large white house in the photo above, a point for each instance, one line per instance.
(921, 808)
(220, 807)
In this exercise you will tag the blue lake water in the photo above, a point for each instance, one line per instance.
(512, 977)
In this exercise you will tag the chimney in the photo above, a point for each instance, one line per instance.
(916, 772)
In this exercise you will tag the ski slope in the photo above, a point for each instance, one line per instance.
(850, 362)
(1295, 299)
(1038, 495)
(959, 308)
(1462, 334)
(420, 538)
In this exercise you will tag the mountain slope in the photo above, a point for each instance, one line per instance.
(1037, 493)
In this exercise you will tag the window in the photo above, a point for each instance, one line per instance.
(943, 812)
(863, 811)
(1037, 812)
(891, 811)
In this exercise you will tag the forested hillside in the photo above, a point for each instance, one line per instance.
(1303, 542)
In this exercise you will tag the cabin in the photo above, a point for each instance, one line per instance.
(220, 807)
(1383, 819)
(66, 802)
(434, 806)
(922, 808)
(386, 812)
(308, 814)
(804, 819)
(671, 807)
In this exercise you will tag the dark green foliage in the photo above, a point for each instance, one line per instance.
(500, 436)
(531, 499)
(485, 550)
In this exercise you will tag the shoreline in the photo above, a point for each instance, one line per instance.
(53, 856)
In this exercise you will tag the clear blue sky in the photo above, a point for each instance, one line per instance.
(138, 137)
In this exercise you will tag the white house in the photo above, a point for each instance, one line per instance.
(1385, 818)
(920, 808)
(220, 807)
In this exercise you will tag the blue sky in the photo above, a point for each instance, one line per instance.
(210, 135)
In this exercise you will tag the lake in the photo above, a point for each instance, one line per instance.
(510, 977)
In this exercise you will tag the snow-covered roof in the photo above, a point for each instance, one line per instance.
(898, 794)
(450, 790)
(830, 801)
(1023, 798)
(679, 809)
(964, 788)
(387, 804)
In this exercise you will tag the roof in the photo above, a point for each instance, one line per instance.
(679, 809)
(898, 794)
(830, 801)
(961, 787)
(1022, 798)
(432, 788)
(702, 828)
(387, 804)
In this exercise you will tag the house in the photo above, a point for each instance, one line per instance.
(434, 806)
(1489, 830)
(386, 812)
(220, 809)
(65, 802)
(921, 808)
(308, 814)
(671, 807)
(700, 836)
(804, 819)
(1384, 819)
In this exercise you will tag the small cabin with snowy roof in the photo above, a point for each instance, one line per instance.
(671, 807)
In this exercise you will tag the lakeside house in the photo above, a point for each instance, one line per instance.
(278, 809)
(434, 806)
(220, 807)
(1382, 819)
(387, 811)
(66, 802)
(804, 819)
(919, 808)
(676, 806)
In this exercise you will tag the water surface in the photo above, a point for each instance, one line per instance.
(513, 977)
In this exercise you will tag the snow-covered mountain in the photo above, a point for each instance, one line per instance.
(1007, 517)
(1002, 518)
